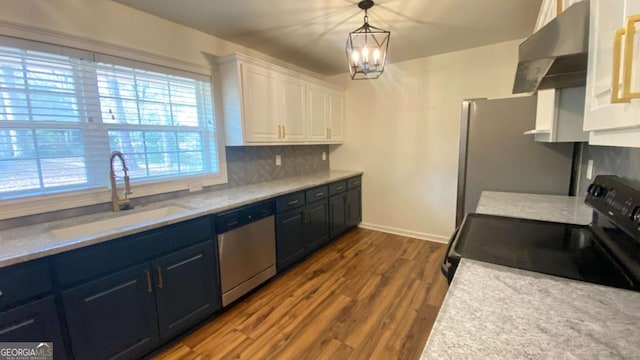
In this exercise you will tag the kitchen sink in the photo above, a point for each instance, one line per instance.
(117, 222)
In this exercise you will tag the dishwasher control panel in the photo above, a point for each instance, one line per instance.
(235, 218)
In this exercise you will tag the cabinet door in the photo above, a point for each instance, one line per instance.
(336, 116)
(113, 317)
(318, 125)
(337, 215)
(353, 207)
(259, 104)
(186, 288)
(317, 229)
(600, 113)
(293, 113)
(34, 322)
(290, 244)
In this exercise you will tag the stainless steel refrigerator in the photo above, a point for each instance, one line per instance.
(495, 155)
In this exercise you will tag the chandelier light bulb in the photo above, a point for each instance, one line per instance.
(355, 57)
(365, 55)
(376, 56)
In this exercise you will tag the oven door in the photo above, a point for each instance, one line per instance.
(451, 257)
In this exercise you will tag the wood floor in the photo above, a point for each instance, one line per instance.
(367, 295)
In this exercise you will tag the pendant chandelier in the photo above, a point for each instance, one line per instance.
(367, 48)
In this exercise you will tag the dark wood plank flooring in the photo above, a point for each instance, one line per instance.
(367, 295)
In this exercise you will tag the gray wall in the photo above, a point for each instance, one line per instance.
(245, 166)
(609, 160)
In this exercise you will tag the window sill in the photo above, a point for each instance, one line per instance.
(13, 208)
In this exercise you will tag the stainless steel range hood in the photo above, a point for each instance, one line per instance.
(556, 55)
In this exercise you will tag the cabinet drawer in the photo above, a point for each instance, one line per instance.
(318, 193)
(354, 182)
(23, 281)
(337, 187)
(290, 201)
(101, 259)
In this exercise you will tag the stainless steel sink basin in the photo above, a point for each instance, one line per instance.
(117, 222)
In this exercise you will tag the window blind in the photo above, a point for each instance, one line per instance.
(61, 116)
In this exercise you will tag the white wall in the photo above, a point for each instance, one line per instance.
(403, 132)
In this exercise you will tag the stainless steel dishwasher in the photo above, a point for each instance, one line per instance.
(247, 249)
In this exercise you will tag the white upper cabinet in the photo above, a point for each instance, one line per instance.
(550, 9)
(559, 115)
(336, 116)
(612, 104)
(293, 111)
(264, 104)
(326, 115)
(260, 114)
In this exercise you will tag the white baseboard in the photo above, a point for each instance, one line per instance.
(403, 232)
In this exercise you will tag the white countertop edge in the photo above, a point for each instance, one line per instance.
(51, 245)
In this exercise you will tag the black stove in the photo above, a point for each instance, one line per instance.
(606, 252)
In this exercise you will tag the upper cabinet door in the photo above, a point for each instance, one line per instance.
(326, 115)
(260, 105)
(293, 113)
(610, 111)
(317, 129)
(336, 116)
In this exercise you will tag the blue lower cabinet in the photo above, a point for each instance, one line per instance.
(34, 322)
(129, 313)
(317, 227)
(113, 317)
(353, 207)
(186, 288)
(290, 242)
(337, 215)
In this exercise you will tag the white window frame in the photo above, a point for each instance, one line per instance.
(11, 208)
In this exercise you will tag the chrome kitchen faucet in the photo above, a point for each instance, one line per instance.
(118, 204)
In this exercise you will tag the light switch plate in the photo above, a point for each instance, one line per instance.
(278, 160)
(324, 155)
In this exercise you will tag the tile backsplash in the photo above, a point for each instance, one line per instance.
(253, 164)
(245, 165)
(609, 160)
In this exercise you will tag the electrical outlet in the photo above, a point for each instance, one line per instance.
(590, 169)
(278, 160)
(324, 155)
(195, 186)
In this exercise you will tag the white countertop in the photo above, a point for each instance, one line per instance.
(565, 209)
(497, 312)
(36, 241)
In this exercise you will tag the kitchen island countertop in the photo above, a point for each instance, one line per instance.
(497, 312)
(31, 242)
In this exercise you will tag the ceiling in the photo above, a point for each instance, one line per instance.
(312, 33)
